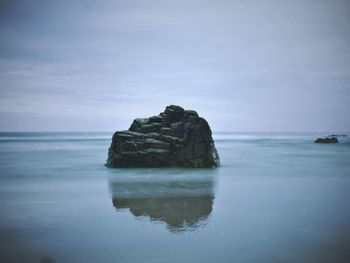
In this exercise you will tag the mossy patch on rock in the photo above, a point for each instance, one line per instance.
(327, 140)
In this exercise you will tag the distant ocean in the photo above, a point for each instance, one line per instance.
(278, 197)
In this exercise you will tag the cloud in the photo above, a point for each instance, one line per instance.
(236, 62)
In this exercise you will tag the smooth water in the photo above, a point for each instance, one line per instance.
(276, 198)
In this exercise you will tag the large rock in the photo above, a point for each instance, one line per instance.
(173, 138)
(327, 140)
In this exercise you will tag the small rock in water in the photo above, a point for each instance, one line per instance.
(175, 137)
(327, 140)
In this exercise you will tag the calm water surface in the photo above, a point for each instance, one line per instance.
(276, 198)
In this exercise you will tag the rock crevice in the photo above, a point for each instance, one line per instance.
(175, 137)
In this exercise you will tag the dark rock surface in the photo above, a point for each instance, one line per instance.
(327, 140)
(176, 137)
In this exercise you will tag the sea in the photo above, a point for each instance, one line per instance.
(277, 197)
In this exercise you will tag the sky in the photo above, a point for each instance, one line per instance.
(242, 65)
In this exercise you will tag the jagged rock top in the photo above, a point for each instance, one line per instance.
(175, 137)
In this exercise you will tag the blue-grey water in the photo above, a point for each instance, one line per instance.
(276, 198)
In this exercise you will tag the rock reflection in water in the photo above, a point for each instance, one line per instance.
(181, 198)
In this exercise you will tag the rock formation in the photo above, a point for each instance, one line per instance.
(327, 140)
(176, 137)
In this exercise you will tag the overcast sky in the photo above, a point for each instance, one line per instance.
(243, 65)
